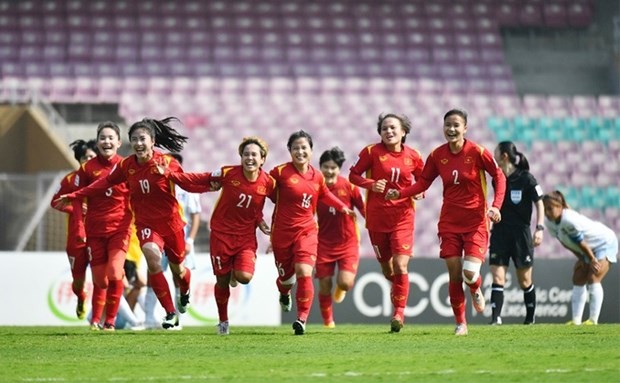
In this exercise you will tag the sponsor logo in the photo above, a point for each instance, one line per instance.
(469, 160)
(294, 180)
(203, 305)
(131, 172)
(61, 300)
(444, 161)
(383, 158)
(371, 298)
(235, 183)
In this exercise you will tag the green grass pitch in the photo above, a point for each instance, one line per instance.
(348, 353)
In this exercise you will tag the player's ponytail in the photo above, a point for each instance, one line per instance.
(515, 157)
(164, 135)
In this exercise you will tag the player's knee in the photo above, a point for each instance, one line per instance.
(471, 271)
(151, 248)
(243, 278)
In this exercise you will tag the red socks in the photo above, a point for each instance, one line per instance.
(98, 303)
(457, 300)
(304, 296)
(113, 300)
(162, 291)
(283, 289)
(474, 286)
(400, 293)
(325, 302)
(221, 298)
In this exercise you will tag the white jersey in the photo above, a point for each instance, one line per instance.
(574, 228)
(190, 202)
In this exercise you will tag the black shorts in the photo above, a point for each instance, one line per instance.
(511, 243)
(131, 271)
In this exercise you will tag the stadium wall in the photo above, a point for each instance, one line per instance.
(45, 297)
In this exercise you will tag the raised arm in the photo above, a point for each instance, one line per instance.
(192, 182)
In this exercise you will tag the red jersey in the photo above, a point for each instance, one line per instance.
(295, 198)
(399, 169)
(338, 231)
(108, 209)
(239, 208)
(464, 185)
(76, 233)
(151, 194)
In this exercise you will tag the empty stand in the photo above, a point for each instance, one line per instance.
(230, 69)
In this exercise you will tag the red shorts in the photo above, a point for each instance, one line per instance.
(99, 248)
(78, 259)
(386, 245)
(474, 243)
(302, 250)
(232, 252)
(173, 245)
(347, 260)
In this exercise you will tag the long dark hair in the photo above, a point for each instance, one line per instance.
(80, 147)
(164, 135)
(515, 157)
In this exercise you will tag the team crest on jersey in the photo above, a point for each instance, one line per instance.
(408, 161)
(342, 193)
(131, 172)
(235, 183)
(516, 196)
(406, 247)
(444, 161)
(262, 189)
(469, 160)
(481, 250)
(294, 180)
(383, 158)
(96, 173)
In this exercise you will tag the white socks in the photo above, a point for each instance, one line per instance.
(596, 301)
(580, 297)
(125, 312)
(150, 301)
(578, 303)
